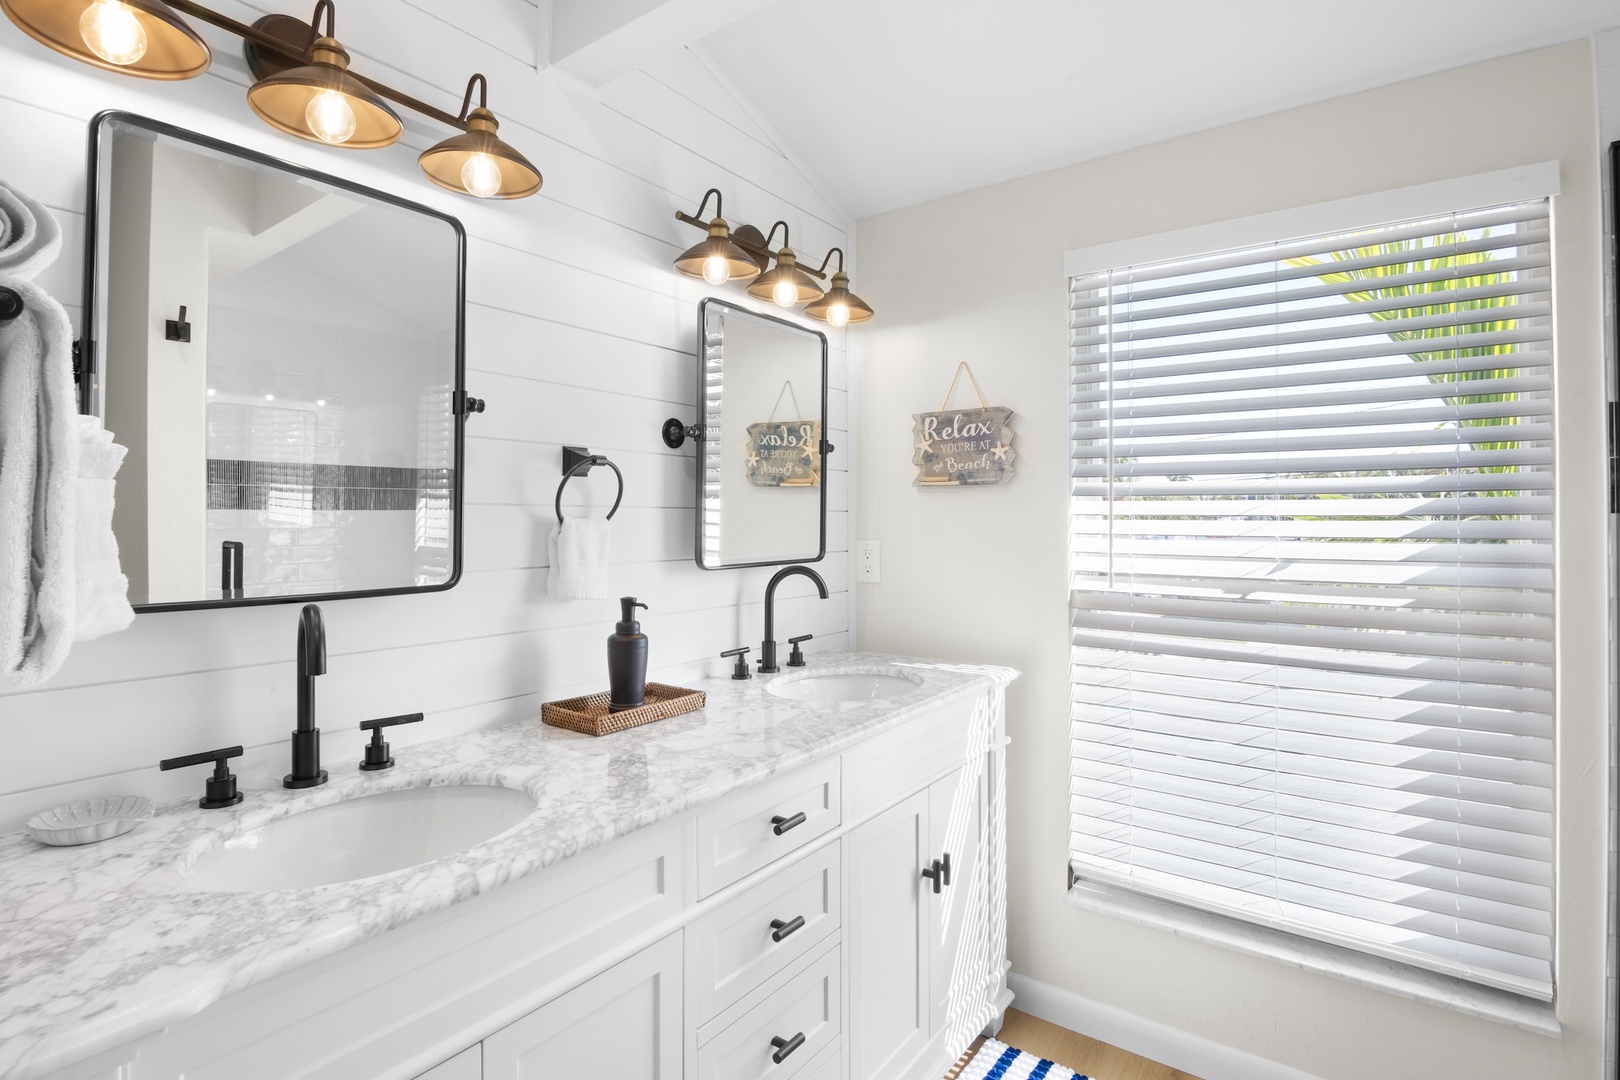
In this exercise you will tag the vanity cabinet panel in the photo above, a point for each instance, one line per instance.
(741, 834)
(625, 1023)
(960, 913)
(804, 1012)
(467, 1065)
(893, 764)
(731, 950)
(888, 942)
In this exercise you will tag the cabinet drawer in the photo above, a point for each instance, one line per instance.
(803, 1013)
(759, 825)
(731, 950)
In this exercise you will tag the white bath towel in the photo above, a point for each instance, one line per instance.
(39, 468)
(30, 235)
(579, 556)
(101, 589)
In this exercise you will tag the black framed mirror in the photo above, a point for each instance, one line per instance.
(283, 353)
(761, 484)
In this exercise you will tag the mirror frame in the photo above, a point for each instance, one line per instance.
(87, 368)
(712, 433)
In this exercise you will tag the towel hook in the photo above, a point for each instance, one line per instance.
(11, 304)
(577, 461)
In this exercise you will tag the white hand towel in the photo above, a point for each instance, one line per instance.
(30, 235)
(579, 556)
(102, 589)
(39, 468)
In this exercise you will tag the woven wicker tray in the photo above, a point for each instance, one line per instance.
(590, 715)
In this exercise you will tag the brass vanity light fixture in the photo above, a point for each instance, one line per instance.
(321, 101)
(839, 307)
(718, 259)
(476, 162)
(143, 38)
(303, 85)
(785, 284)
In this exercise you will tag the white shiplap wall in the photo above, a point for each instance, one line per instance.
(578, 332)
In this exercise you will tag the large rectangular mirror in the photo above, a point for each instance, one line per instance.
(281, 351)
(762, 491)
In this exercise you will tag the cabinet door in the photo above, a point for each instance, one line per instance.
(467, 1065)
(888, 944)
(625, 1023)
(959, 919)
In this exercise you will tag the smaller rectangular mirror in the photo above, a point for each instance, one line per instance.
(281, 351)
(761, 483)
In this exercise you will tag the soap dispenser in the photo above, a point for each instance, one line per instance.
(627, 660)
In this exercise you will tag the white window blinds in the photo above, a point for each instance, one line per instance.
(1312, 588)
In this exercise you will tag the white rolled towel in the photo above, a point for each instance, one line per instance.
(30, 235)
(578, 550)
(101, 589)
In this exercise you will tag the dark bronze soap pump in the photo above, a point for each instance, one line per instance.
(627, 660)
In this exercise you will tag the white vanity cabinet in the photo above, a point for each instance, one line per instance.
(784, 931)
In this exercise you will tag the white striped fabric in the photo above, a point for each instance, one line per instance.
(1312, 588)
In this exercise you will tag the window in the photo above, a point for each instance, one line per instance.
(1312, 587)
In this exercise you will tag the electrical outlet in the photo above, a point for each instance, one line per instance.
(866, 561)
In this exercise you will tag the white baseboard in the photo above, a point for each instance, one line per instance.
(1143, 1037)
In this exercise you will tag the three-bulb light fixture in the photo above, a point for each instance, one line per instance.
(745, 256)
(303, 85)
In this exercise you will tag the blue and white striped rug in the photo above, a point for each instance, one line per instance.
(998, 1061)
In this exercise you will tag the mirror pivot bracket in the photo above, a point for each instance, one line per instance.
(676, 433)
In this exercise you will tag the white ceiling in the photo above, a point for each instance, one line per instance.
(894, 102)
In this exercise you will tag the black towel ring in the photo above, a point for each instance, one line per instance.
(11, 304)
(578, 462)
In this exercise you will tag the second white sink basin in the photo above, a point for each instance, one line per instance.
(842, 687)
(360, 838)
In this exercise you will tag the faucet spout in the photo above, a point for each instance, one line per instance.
(767, 648)
(306, 737)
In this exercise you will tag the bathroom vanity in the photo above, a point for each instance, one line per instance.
(784, 884)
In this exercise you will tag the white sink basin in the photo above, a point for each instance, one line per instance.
(842, 687)
(359, 838)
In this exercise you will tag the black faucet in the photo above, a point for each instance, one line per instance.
(767, 648)
(306, 739)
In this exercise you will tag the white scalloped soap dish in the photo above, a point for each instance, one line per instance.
(89, 821)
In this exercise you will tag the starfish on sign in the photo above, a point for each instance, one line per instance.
(1000, 450)
(753, 459)
(924, 443)
(808, 451)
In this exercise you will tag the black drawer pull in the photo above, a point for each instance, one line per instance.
(780, 929)
(780, 824)
(936, 872)
(945, 869)
(784, 1047)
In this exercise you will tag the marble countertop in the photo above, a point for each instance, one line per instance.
(104, 944)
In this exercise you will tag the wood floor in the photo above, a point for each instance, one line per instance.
(1088, 1057)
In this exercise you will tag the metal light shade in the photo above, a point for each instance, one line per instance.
(172, 50)
(740, 266)
(283, 100)
(786, 270)
(856, 309)
(509, 174)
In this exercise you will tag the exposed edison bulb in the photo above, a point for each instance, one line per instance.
(716, 271)
(785, 293)
(113, 32)
(330, 117)
(838, 315)
(481, 175)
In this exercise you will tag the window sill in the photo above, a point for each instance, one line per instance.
(1382, 974)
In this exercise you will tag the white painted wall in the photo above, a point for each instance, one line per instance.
(578, 332)
(979, 574)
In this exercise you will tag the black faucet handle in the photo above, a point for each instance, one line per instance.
(219, 790)
(741, 671)
(378, 755)
(796, 657)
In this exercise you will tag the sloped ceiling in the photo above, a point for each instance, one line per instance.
(894, 102)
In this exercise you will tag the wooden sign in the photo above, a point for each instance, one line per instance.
(965, 446)
(784, 453)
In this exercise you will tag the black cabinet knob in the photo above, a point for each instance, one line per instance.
(780, 824)
(784, 1047)
(781, 930)
(219, 790)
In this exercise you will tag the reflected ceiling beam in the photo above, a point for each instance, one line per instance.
(596, 41)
